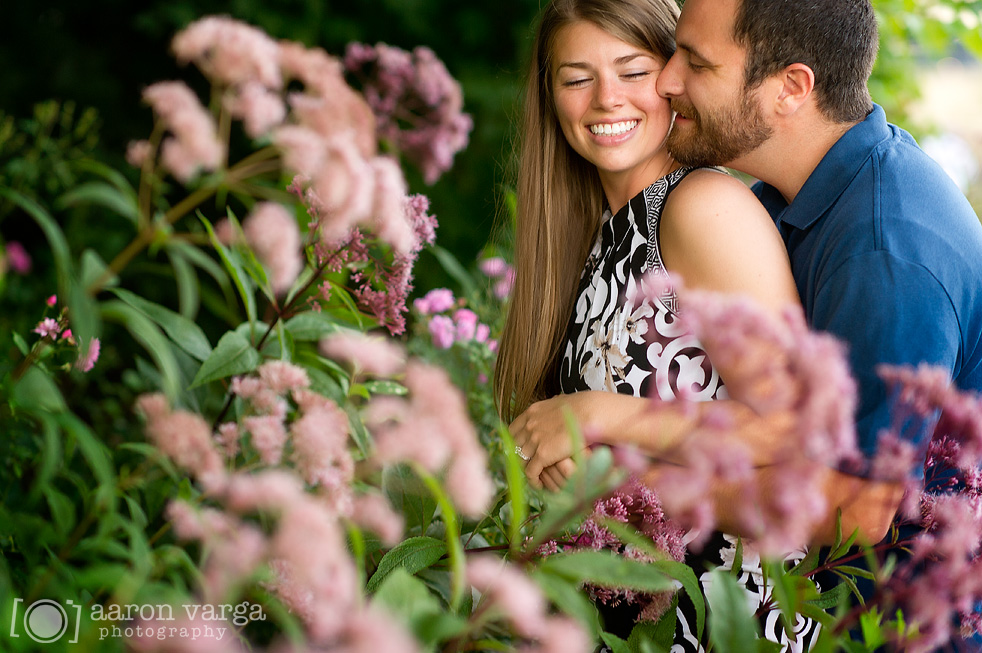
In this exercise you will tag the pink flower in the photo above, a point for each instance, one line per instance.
(466, 324)
(228, 438)
(512, 592)
(184, 437)
(482, 333)
(194, 140)
(370, 355)
(437, 300)
(47, 328)
(372, 511)
(18, 258)
(229, 51)
(86, 360)
(137, 152)
(561, 635)
(269, 489)
(51, 301)
(320, 452)
(494, 266)
(432, 428)
(268, 437)
(272, 232)
(282, 377)
(258, 108)
(416, 102)
(391, 220)
(502, 289)
(443, 331)
(373, 630)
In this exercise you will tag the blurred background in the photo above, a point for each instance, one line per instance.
(99, 54)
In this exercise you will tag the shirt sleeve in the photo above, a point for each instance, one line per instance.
(886, 310)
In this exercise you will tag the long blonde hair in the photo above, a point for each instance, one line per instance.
(559, 201)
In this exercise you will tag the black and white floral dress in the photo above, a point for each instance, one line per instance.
(620, 340)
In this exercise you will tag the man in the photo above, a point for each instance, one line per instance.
(885, 250)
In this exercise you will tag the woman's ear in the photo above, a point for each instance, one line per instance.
(796, 83)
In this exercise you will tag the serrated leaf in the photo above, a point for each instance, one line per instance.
(807, 564)
(830, 598)
(412, 555)
(183, 332)
(684, 574)
(232, 355)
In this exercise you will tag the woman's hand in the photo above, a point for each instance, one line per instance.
(542, 434)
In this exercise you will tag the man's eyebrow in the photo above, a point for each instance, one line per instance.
(693, 52)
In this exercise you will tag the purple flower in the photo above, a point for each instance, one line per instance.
(437, 300)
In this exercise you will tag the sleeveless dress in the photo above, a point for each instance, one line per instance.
(618, 340)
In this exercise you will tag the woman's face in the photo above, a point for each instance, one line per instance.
(608, 107)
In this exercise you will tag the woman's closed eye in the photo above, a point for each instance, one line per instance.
(640, 74)
(573, 83)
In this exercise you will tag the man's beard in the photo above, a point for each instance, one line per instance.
(720, 135)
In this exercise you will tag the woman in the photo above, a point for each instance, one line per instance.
(601, 202)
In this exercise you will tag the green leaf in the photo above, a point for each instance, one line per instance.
(408, 496)
(806, 565)
(385, 387)
(570, 599)
(54, 234)
(36, 391)
(104, 195)
(406, 596)
(94, 451)
(311, 326)
(453, 267)
(413, 554)
(615, 643)
(830, 598)
(684, 574)
(62, 510)
(232, 355)
(732, 628)
(515, 477)
(607, 569)
(93, 268)
(657, 636)
(188, 286)
(234, 268)
(183, 332)
(153, 340)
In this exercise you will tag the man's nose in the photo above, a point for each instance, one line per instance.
(669, 82)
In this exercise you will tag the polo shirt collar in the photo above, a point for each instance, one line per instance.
(835, 171)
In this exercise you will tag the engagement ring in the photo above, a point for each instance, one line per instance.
(521, 454)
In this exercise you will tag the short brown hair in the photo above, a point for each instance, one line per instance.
(837, 39)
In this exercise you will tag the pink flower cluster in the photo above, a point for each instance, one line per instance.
(463, 325)
(416, 102)
(520, 601)
(193, 143)
(637, 505)
(372, 355)
(272, 233)
(943, 577)
(498, 269)
(790, 375)
(432, 429)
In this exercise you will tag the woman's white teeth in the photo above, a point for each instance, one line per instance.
(612, 129)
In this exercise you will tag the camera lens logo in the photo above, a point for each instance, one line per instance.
(45, 621)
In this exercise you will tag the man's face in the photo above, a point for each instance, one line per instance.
(718, 119)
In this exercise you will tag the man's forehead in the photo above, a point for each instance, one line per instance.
(705, 28)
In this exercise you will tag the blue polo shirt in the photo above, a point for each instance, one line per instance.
(887, 256)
